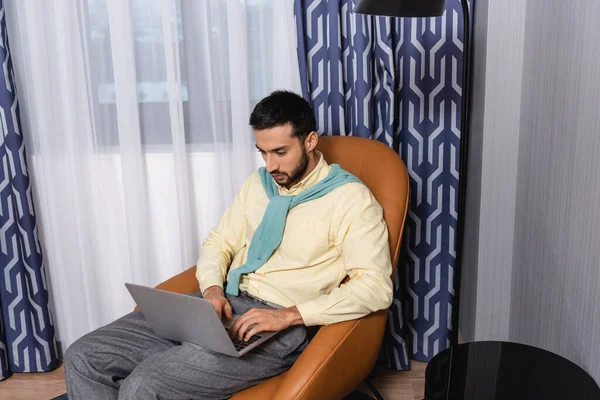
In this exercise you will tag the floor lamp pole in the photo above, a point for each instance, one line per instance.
(463, 165)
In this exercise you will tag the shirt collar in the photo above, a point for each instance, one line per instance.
(321, 171)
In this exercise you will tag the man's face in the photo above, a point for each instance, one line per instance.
(285, 156)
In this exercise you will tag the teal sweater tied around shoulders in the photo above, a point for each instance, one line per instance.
(269, 233)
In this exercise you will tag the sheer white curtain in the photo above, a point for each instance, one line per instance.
(135, 115)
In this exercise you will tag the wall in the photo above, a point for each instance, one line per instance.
(533, 224)
(556, 275)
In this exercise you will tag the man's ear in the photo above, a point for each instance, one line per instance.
(311, 141)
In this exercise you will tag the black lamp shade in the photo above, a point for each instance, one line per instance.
(401, 8)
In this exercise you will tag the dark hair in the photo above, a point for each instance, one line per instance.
(284, 107)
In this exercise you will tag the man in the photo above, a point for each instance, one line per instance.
(296, 229)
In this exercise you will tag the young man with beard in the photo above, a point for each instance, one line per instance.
(296, 229)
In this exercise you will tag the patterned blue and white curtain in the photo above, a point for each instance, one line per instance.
(27, 342)
(386, 78)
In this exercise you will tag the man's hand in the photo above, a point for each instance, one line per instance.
(215, 295)
(258, 320)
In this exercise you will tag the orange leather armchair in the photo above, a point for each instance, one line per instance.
(341, 355)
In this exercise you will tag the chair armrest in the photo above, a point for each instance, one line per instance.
(263, 391)
(184, 282)
(339, 357)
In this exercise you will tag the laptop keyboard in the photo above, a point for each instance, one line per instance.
(241, 345)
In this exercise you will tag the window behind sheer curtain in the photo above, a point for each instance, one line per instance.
(151, 80)
(128, 179)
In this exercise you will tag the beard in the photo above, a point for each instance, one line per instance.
(297, 173)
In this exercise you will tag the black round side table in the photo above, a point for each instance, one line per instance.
(505, 371)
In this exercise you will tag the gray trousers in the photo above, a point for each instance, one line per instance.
(126, 360)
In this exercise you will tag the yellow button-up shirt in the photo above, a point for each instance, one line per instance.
(325, 239)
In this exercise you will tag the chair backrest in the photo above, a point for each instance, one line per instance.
(382, 170)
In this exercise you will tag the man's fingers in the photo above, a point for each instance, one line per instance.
(239, 322)
(228, 310)
(253, 318)
(248, 324)
(241, 328)
(233, 330)
(253, 331)
(217, 307)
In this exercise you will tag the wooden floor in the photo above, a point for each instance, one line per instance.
(30, 386)
(393, 385)
(400, 385)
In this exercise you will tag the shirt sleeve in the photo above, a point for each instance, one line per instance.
(362, 238)
(223, 242)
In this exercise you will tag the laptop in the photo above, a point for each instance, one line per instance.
(186, 318)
